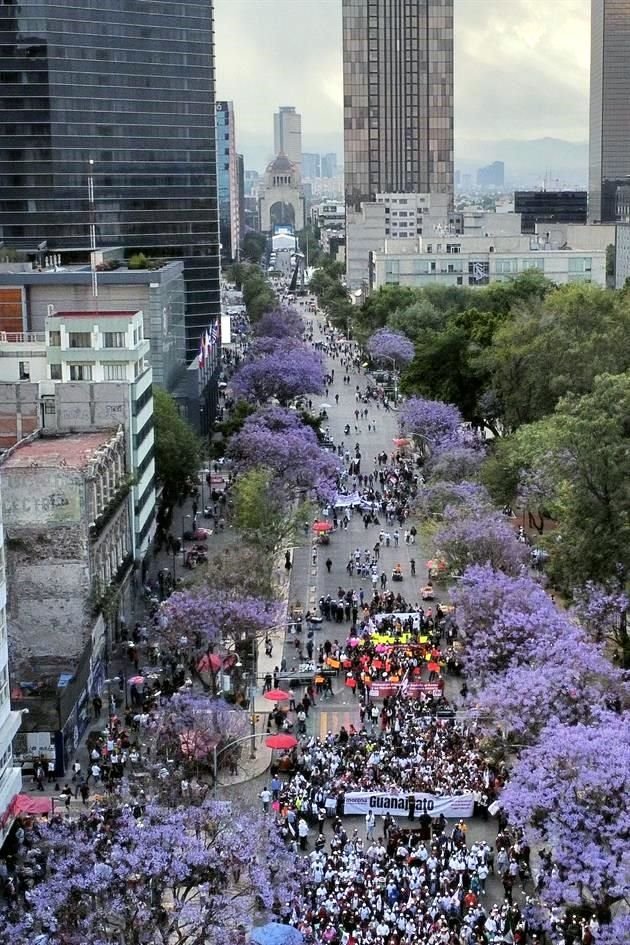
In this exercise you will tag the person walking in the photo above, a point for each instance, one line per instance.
(265, 796)
(303, 832)
(328, 564)
(370, 824)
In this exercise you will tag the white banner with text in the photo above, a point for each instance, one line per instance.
(458, 805)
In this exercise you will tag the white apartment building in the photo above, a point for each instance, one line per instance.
(476, 261)
(92, 369)
(10, 775)
(110, 346)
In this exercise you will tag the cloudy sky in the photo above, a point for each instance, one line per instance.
(521, 70)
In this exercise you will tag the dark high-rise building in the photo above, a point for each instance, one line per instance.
(127, 85)
(398, 97)
(549, 206)
(609, 145)
(492, 175)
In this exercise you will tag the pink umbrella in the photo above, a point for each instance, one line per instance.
(136, 680)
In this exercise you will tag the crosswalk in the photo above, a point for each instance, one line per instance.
(331, 720)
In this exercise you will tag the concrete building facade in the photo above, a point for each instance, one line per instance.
(10, 773)
(26, 293)
(69, 562)
(86, 372)
(609, 119)
(280, 199)
(398, 97)
(478, 261)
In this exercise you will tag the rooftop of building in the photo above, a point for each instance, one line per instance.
(74, 451)
(95, 313)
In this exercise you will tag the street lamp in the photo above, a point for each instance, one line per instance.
(108, 683)
(217, 754)
(386, 357)
(184, 517)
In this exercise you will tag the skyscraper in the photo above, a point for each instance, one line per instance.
(609, 146)
(398, 97)
(129, 86)
(287, 134)
(228, 182)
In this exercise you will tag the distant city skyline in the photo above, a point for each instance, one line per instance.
(517, 74)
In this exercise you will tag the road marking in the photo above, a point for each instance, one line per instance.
(332, 720)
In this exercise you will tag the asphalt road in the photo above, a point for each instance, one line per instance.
(310, 581)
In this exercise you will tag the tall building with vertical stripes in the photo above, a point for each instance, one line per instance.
(398, 97)
(129, 86)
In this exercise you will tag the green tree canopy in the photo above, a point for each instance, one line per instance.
(253, 246)
(177, 448)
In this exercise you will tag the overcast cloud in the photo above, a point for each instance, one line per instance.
(521, 70)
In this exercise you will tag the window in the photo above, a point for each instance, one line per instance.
(54, 339)
(24, 368)
(4, 685)
(55, 372)
(80, 372)
(114, 339)
(116, 371)
(80, 339)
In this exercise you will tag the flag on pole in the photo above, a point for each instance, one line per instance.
(404, 686)
(214, 334)
(203, 345)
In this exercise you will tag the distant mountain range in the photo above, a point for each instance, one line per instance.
(530, 161)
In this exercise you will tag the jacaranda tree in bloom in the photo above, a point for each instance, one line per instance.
(570, 792)
(569, 679)
(429, 419)
(468, 539)
(386, 344)
(190, 725)
(604, 611)
(202, 619)
(502, 619)
(195, 876)
(283, 374)
(277, 439)
(280, 323)
(434, 497)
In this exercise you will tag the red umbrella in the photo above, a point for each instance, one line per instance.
(322, 527)
(277, 695)
(281, 741)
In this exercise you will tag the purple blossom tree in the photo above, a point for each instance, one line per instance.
(604, 612)
(456, 463)
(503, 619)
(279, 441)
(201, 620)
(431, 420)
(386, 344)
(434, 497)
(570, 791)
(192, 875)
(464, 540)
(285, 373)
(280, 323)
(567, 679)
(191, 726)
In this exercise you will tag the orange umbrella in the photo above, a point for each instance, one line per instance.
(322, 527)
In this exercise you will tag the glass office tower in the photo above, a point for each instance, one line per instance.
(609, 138)
(129, 85)
(398, 97)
